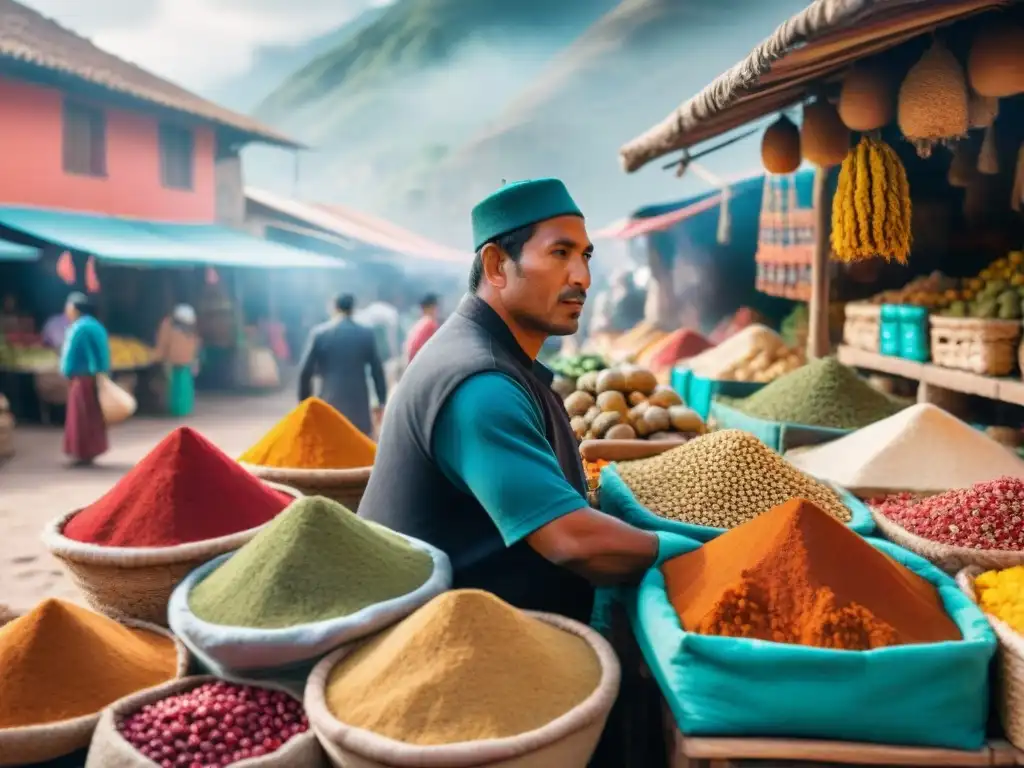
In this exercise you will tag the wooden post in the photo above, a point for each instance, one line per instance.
(818, 344)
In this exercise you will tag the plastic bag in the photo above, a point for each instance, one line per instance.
(618, 500)
(116, 404)
(916, 695)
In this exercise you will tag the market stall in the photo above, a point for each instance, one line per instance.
(911, 115)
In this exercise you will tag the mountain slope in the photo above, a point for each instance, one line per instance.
(625, 73)
(273, 64)
(408, 88)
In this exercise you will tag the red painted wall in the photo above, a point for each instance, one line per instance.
(32, 173)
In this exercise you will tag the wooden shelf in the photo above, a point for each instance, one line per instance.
(1005, 390)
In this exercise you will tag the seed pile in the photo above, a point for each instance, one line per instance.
(184, 490)
(723, 480)
(465, 667)
(214, 724)
(313, 436)
(316, 561)
(920, 449)
(60, 661)
(1001, 594)
(985, 516)
(795, 575)
(823, 393)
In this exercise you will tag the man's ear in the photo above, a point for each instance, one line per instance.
(493, 259)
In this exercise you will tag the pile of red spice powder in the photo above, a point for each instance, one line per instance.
(985, 516)
(185, 490)
(679, 345)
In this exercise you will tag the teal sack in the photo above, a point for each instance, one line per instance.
(618, 500)
(777, 435)
(915, 695)
(698, 392)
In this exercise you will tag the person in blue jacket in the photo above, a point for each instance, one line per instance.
(84, 357)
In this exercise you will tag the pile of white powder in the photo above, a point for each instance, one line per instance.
(920, 449)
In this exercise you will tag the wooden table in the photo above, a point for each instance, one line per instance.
(715, 752)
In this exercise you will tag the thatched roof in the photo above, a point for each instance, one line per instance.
(29, 38)
(813, 46)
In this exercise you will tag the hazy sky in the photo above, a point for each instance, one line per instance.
(197, 43)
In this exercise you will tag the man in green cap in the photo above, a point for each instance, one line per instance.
(476, 453)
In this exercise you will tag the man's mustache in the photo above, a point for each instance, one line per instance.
(577, 294)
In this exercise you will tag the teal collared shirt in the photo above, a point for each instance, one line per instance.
(86, 350)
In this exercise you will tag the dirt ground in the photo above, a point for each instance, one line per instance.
(36, 485)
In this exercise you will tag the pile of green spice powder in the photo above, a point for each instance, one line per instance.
(315, 561)
(823, 393)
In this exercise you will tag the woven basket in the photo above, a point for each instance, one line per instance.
(566, 742)
(110, 750)
(949, 558)
(136, 582)
(346, 486)
(1010, 678)
(987, 347)
(862, 326)
(40, 743)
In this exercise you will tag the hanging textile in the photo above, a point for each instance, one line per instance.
(66, 268)
(92, 280)
(785, 242)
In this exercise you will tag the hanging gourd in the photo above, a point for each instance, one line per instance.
(988, 156)
(867, 100)
(932, 106)
(982, 111)
(824, 139)
(871, 207)
(780, 146)
(995, 64)
(963, 165)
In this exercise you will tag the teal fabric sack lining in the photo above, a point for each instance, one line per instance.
(914, 695)
(618, 500)
(777, 435)
(699, 392)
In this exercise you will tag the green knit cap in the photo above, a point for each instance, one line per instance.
(518, 205)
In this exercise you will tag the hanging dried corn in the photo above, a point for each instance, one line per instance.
(871, 207)
(933, 100)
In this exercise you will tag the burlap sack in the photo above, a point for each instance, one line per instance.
(110, 750)
(345, 486)
(567, 742)
(949, 558)
(136, 582)
(1010, 677)
(39, 743)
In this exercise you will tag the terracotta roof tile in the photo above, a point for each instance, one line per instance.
(31, 38)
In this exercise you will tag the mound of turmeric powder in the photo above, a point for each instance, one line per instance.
(796, 575)
(313, 436)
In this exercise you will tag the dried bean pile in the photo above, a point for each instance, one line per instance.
(215, 724)
(723, 480)
(985, 516)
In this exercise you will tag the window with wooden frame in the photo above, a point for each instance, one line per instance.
(177, 156)
(85, 140)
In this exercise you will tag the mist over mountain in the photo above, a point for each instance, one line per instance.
(429, 106)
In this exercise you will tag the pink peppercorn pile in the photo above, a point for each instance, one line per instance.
(985, 516)
(213, 725)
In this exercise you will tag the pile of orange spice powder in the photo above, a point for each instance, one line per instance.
(796, 575)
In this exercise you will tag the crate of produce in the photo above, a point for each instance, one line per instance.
(861, 329)
(698, 392)
(1010, 677)
(983, 346)
(779, 436)
(719, 685)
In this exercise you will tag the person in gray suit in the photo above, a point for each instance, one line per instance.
(339, 351)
